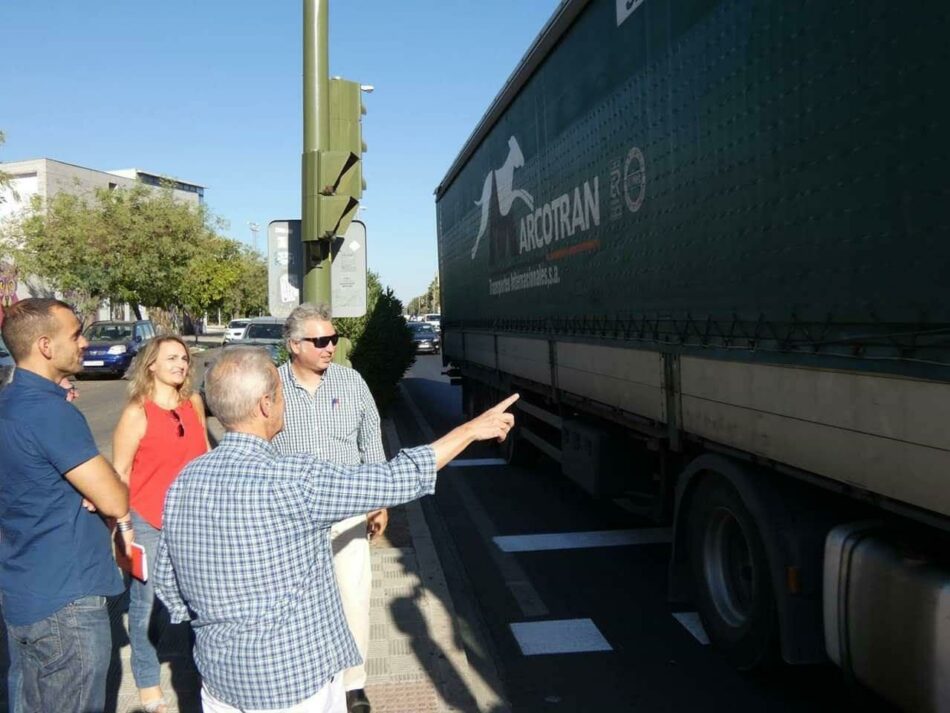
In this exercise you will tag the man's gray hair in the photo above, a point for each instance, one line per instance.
(294, 326)
(237, 380)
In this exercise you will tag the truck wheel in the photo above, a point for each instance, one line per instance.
(731, 572)
(516, 450)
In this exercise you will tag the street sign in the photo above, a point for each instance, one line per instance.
(285, 269)
(348, 274)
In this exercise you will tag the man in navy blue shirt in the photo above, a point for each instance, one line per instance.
(56, 565)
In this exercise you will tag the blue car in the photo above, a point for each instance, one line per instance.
(112, 346)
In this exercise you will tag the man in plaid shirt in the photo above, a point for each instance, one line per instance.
(245, 552)
(330, 413)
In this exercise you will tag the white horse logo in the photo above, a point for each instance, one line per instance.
(503, 180)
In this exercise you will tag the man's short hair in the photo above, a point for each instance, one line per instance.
(26, 321)
(237, 380)
(294, 326)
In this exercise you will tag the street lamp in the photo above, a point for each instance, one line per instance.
(254, 228)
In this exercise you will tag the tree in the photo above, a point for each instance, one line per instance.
(385, 350)
(6, 180)
(138, 246)
(431, 301)
(131, 245)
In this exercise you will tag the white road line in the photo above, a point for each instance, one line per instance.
(475, 462)
(514, 577)
(561, 636)
(581, 540)
(691, 622)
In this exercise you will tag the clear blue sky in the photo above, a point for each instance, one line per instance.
(210, 91)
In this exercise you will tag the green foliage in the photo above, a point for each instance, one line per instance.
(5, 178)
(385, 350)
(429, 302)
(140, 246)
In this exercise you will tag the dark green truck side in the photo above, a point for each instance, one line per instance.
(709, 242)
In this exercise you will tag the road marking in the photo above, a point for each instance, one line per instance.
(475, 462)
(692, 623)
(581, 540)
(560, 636)
(524, 593)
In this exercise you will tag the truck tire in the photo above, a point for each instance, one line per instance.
(734, 593)
(516, 450)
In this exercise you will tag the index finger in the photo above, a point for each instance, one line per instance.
(502, 406)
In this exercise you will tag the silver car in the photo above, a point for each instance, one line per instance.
(235, 329)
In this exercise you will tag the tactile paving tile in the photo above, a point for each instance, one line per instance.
(418, 697)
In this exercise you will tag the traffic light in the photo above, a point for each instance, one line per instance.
(335, 174)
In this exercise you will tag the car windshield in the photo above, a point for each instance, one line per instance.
(422, 328)
(237, 324)
(108, 332)
(264, 331)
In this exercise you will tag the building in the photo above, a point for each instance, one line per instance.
(46, 177)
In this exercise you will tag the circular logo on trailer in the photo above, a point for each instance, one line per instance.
(634, 179)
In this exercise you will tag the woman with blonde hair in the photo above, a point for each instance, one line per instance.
(161, 429)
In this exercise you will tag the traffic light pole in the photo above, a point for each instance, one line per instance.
(316, 138)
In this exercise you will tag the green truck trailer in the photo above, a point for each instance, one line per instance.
(709, 243)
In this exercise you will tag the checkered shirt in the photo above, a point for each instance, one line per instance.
(245, 556)
(338, 422)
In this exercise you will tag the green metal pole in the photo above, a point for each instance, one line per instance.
(316, 138)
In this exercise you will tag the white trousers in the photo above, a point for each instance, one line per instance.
(329, 699)
(354, 578)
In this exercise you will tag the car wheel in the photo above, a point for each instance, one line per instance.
(734, 593)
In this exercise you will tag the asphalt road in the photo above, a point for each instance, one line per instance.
(653, 663)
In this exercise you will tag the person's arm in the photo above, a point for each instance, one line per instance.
(334, 492)
(98, 482)
(125, 440)
(369, 436)
(493, 424)
(199, 406)
(166, 584)
(370, 443)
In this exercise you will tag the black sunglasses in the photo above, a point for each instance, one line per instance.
(321, 342)
(181, 426)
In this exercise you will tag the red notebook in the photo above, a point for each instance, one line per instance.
(137, 564)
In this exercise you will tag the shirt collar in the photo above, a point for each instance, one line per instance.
(288, 369)
(247, 442)
(30, 379)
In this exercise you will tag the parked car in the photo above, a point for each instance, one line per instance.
(265, 332)
(425, 336)
(235, 329)
(6, 364)
(113, 345)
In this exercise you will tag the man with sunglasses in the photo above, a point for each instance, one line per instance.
(330, 413)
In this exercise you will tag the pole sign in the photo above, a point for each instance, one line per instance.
(348, 272)
(285, 269)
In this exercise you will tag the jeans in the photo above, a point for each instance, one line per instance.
(145, 612)
(14, 678)
(64, 659)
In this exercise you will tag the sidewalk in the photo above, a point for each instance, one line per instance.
(416, 662)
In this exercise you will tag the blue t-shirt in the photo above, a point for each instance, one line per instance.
(52, 550)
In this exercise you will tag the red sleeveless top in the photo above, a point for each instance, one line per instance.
(167, 446)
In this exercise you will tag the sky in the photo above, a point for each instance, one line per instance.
(209, 91)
